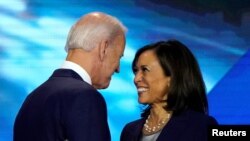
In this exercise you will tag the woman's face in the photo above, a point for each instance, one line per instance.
(150, 80)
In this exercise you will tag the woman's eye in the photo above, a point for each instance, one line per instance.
(135, 70)
(144, 69)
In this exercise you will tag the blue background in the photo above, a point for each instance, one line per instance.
(33, 34)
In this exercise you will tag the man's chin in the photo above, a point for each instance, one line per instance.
(104, 86)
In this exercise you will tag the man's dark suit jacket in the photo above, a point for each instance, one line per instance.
(64, 107)
(188, 126)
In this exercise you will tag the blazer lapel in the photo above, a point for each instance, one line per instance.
(174, 128)
(138, 130)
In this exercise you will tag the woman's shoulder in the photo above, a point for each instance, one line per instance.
(201, 117)
(135, 123)
(132, 129)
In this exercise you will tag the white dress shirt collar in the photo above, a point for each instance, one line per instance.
(78, 69)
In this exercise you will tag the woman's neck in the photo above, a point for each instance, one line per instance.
(158, 113)
(157, 119)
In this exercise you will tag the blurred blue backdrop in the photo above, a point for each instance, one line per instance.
(33, 35)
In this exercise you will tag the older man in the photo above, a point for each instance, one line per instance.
(68, 106)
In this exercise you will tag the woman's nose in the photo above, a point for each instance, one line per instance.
(117, 70)
(138, 77)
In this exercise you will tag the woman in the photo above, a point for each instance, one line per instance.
(169, 82)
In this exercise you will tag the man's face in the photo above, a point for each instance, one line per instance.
(111, 62)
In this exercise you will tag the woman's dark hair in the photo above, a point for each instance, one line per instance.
(187, 88)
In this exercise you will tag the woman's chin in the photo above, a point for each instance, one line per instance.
(142, 101)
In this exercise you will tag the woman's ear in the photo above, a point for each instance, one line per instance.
(168, 81)
(103, 49)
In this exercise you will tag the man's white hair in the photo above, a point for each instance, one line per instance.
(92, 28)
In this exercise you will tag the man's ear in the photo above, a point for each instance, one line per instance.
(103, 49)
